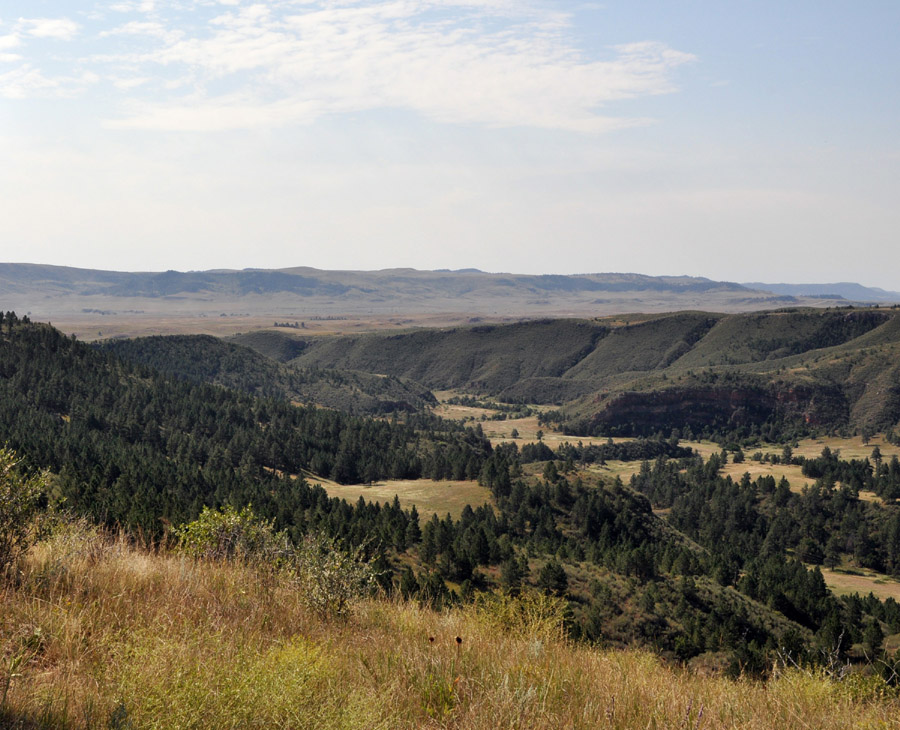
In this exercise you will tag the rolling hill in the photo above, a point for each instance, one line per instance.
(52, 292)
(205, 359)
(793, 368)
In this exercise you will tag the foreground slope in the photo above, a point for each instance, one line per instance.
(104, 635)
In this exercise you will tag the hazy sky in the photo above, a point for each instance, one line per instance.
(735, 139)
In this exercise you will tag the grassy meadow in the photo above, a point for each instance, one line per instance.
(429, 496)
(96, 633)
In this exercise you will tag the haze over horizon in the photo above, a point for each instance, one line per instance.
(739, 143)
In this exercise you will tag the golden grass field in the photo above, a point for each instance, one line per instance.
(99, 634)
(429, 496)
(867, 581)
(500, 432)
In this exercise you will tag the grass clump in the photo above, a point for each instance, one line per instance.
(196, 680)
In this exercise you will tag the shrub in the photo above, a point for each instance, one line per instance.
(331, 577)
(229, 534)
(530, 614)
(19, 502)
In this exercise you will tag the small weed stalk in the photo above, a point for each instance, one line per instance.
(12, 672)
(440, 692)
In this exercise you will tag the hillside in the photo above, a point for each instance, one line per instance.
(483, 357)
(788, 370)
(846, 289)
(106, 635)
(206, 359)
(684, 560)
(132, 446)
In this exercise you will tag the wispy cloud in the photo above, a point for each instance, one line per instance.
(221, 64)
(61, 29)
(8, 42)
(25, 81)
(471, 64)
(136, 6)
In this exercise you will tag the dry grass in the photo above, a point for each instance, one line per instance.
(501, 431)
(116, 637)
(862, 582)
(612, 469)
(429, 496)
(231, 317)
(850, 448)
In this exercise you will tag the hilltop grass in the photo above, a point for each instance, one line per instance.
(97, 633)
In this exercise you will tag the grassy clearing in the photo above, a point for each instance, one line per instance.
(501, 431)
(430, 497)
(862, 581)
(114, 637)
(612, 469)
(850, 448)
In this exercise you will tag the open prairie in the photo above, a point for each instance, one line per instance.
(93, 326)
(851, 447)
(527, 428)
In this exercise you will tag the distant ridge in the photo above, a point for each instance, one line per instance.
(301, 292)
(844, 289)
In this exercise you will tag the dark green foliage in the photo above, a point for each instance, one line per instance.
(136, 448)
(205, 359)
(749, 526)
(552, 578)
(637, 450)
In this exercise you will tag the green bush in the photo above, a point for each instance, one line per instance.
(229, 534)
(19, 507)
(331, 577)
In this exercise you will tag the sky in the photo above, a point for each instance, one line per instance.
(743, 140)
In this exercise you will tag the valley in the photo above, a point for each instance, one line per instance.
(722, 490)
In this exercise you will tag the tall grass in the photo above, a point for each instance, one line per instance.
(105, 635)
